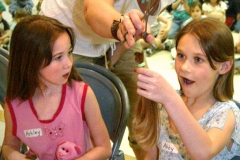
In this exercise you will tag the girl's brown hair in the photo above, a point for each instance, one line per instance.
(30, 50)
(195, 4)
(217, 42)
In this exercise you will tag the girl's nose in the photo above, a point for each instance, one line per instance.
(69, 61)
(186, 65)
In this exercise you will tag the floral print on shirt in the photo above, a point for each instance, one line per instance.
(171, 146)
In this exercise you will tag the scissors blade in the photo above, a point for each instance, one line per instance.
(145, 17)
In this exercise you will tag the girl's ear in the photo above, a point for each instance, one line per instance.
(225, 67)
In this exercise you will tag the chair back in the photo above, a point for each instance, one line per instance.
(4, 52)
(112, 98)
(3, 76)
(237, 103)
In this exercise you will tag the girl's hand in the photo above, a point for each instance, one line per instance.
(153, 86)
(17, 155)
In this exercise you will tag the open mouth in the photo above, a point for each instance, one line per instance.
(187, 81)
(66, 75)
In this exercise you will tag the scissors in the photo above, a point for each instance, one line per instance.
(145, 18)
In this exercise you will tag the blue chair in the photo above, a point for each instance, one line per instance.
(4, 52)
(3, 76)
(113, 101)
(236, 158)
(238, 104)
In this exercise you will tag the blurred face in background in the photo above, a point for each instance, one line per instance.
(196, 12)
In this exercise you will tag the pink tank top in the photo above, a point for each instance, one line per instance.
(67, 124)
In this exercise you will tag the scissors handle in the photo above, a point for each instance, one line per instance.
(144, 35)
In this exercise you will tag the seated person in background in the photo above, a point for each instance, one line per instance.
(211, 5)
(2, 7)
(4, 30)
(18, 4)
(19, 15)
(37, 8)
(160, 29)
(195, 10)
(8, 2)
(219, 15)
(237, 48)
(233, 15)
(180, 15)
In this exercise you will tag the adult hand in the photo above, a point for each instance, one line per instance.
(131, 28)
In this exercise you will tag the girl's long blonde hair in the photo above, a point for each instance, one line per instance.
(146, 123)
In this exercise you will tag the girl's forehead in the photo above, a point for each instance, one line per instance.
(196, 7)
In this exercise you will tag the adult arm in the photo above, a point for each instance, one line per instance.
(100, 15)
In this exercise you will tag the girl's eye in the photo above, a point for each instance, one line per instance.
(70, 52)
(179, 55)
(197, 59)
(58, 58)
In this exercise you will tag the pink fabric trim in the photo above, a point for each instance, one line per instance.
(83, 100)
(14, 132)
(64, 87)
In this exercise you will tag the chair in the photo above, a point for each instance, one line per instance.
(3, 76)
(113, 101)
(4, 52)
(3, 81)
(237, 103)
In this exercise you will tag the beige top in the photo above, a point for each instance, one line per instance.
(88, 43)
